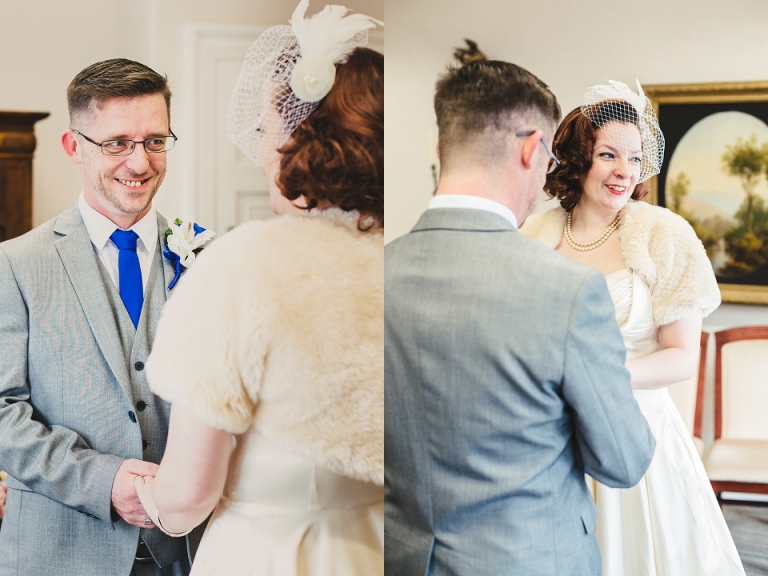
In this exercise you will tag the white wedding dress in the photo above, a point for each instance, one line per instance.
(670, 523)
(283, 515)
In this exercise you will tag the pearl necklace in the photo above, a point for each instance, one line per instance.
(586, 246)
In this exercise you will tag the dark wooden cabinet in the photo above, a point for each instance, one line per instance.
(17, 145)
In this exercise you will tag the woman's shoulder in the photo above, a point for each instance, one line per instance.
(242, 235)
(546, 226)
(658, 219)
(321, 224)
(235, 259)
(663, 248)
(254, 230)
(263, 242)
(655, 230)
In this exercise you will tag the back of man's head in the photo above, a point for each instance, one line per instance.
(480, 106)
(116, 78)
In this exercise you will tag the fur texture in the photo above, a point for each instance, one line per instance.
(661, 247)
(280, 325)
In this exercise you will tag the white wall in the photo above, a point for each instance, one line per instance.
(44, 44)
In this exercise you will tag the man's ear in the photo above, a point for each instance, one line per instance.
(71, 146)
(528, 149)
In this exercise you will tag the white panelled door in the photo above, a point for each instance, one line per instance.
(228, 188)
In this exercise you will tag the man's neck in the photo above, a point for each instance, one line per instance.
(482, 185)
(123, 221)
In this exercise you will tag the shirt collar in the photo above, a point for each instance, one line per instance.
(474, 203)
(100, 227)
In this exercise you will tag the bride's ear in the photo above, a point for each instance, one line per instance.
(300, 202)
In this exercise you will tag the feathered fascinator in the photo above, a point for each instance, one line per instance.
(287, 72)
(616, 102)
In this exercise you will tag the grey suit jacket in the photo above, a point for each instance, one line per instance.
(68, 405)
(504, 384)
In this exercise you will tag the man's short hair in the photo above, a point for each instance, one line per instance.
(488, 98)
(116, 78)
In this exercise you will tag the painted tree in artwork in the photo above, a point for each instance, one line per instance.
(764, 150)
(677, 190)
(746, 161)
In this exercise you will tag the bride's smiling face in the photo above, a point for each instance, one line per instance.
(616, 159)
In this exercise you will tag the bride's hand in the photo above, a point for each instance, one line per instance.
(145, 488)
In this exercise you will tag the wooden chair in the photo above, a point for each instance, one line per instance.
(738, 459)
(688, 397)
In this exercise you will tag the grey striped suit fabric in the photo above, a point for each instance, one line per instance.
(504, 382)
(68, 380)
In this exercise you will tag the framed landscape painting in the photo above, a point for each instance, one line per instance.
(715, 175)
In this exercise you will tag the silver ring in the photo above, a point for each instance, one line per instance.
(147, 521)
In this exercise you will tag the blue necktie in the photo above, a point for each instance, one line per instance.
(131, 290)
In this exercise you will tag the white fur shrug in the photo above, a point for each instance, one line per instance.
(661, 247)
(280, 325)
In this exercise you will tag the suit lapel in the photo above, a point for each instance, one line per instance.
(82, 266)
(168, 270)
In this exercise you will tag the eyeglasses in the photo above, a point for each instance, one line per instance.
(553, 162)
(154, 145)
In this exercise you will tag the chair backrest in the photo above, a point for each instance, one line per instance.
(741, 383)
(688, 395)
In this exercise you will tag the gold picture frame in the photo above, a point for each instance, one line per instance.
(679, 108)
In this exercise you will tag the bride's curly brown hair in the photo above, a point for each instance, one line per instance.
(573, 145)
(335, 158)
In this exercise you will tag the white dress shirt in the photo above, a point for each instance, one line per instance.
(100, 228)
(474, 203)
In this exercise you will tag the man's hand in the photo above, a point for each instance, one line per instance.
(125, 501)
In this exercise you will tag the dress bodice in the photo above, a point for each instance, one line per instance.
(263, 471)
(634, 312)
(282, 514)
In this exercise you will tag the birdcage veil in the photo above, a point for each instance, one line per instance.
(286, 73)
(616, 102)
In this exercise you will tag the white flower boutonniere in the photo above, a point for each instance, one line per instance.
(183, 240)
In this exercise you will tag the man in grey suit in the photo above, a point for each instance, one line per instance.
(504, 366)
(80, 297)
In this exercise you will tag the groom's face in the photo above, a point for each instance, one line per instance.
(122, 187)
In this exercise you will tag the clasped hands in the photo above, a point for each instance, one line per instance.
(133, 495)
(126, 501)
